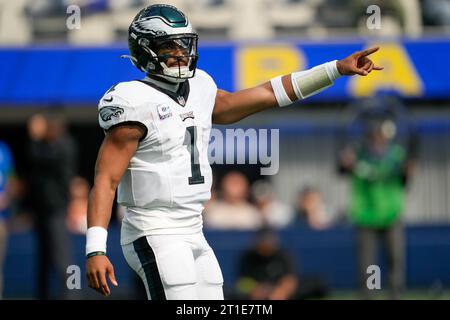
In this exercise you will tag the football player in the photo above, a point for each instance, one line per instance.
(155, 154)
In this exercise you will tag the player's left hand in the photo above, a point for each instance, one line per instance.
(358, 63)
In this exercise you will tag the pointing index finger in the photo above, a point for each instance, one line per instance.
(369, 51)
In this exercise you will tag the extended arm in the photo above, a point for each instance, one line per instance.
(281, 91)
(113, 158)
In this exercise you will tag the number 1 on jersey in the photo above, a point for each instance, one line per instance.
(190, 139)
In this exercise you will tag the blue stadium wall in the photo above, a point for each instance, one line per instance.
(328, 254)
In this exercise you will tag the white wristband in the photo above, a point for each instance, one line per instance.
(96, 239)
(280, 93)
(332, 70)
(312, 81)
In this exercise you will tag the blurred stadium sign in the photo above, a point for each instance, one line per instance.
(257, 64)
(74, 75)
(400, 74)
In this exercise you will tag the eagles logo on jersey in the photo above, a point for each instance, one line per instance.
(155, 34)
(106, 113)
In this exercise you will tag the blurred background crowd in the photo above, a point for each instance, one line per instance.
(106, 21)
(364, 172)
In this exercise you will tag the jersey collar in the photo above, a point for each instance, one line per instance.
(180, 95)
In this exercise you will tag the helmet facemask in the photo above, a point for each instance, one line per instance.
(173, 57)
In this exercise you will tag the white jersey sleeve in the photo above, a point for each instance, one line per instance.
(117, 107)
(206, 84)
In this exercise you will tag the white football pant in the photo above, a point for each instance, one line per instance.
(176, 267)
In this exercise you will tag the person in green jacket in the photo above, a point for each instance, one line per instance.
(378, 169)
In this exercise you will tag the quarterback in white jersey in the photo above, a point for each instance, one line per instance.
(168, 178)
(155, 155)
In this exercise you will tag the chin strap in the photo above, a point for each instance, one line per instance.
(126, 56)
(132, 59)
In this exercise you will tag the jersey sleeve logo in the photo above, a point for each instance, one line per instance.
(106, 113)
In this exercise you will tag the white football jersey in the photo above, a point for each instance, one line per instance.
(168, 179)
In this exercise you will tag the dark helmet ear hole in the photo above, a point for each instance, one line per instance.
(144, 44)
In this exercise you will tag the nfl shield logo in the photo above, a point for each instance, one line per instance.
(181, 100)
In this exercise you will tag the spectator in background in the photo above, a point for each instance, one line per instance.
(274, 213)
(266, 272)
(379, 169)
(232, 210)
(77, 210)
(6, 172)
(52, 157)
(311, 210)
